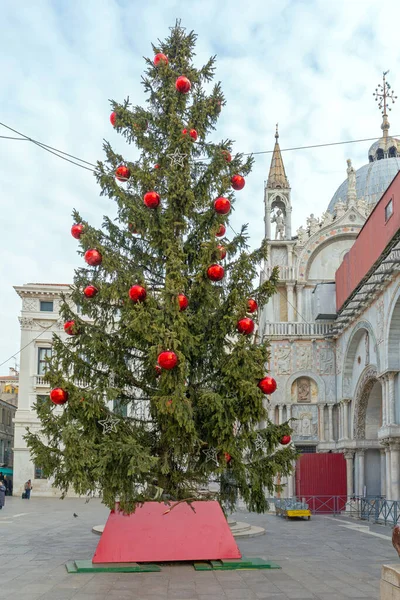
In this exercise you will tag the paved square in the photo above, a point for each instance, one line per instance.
(325, 558)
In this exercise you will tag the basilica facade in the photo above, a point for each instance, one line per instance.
(334, 324)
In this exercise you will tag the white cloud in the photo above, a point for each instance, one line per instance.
(311, 66)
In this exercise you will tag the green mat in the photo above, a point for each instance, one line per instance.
(86, 566)
(243, 563)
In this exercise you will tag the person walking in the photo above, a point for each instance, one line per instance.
(27, 488)
(2, 495)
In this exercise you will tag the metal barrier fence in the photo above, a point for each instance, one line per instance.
(376, 509)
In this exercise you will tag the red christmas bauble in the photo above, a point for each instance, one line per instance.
(215, 272)
(222, 206)
(90, 291)
(222, 251)
(267, 385)
(183, 84)
(122, 173)
(158, 370)
(227, 456)
(151, 199)
(70, 328)
(157, 166)
(58, 396)
(113, 118)
(137, 293)
(191, 132)
(183, 302)
(238, 182)
(221, 231)
(285, 440)
(93, 257)
(167, 360)
(160, 58)
(227, 155)
(251, 305)
(245, 326)
(76, 230)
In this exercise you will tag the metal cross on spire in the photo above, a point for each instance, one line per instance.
(383, 94)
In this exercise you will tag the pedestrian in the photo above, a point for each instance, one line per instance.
(27, 488)
(2, 495)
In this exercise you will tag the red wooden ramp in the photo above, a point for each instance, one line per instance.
(148, 535)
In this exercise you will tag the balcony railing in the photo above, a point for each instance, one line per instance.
(39, 382)
(297, 329)
(285, 273)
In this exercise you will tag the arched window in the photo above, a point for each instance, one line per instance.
(379, 154)
(392, 152)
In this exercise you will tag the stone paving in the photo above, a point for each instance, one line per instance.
(325, 558)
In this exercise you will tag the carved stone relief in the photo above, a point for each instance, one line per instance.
(279, 257)
(364, 387)
(346, 385)
(303, 390)
(366, 349)
(282, 359)
(30, 305)
(326, 360)
(339, 359)
(330, 387)
(380, 320)
(303, 357)
(26, 323)
(305, 425)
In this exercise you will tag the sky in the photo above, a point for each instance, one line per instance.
(310, 65)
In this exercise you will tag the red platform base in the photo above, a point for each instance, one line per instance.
(148, 535)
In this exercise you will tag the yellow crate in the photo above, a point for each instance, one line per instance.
(299, 513)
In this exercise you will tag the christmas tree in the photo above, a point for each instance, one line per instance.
(161, 379)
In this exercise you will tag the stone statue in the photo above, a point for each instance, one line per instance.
(326, 219)
(340, 209)
(351, 184)
(279, 219)
(362, 207)
(302, 236)
(312, 224)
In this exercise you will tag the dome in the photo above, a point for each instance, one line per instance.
(372, 180)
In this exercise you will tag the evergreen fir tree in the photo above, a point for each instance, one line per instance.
(172, 431)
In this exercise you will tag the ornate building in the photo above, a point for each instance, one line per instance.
(330, 350)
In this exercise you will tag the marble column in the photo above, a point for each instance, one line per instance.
(271, 413)
(384, 412)
(361, 472)
(345, 409)
(280, 418)
(330, 417)
(290, 302)
(290, 486)
(288, 411)
(321, 411)
(391, 398)
(299, 297)
(387, 473)
(394, 470)
(383, 472)
(340, 421)
(349, 456)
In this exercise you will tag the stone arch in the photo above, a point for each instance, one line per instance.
(316, 378)
(392, 337)
(364, 386)
(318, 241)
(350, 353)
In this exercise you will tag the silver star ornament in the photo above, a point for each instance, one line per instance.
(177, 158)
(109, 424)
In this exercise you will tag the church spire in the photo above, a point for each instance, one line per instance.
(277, 176)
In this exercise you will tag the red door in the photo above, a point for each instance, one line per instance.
(321, 482)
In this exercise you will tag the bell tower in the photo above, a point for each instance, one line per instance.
(278, 208)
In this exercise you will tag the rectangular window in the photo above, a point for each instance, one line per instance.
(389, 210)
(46, 306)
(120, 409)
(43, 354)
(39, 473)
